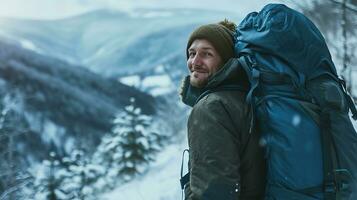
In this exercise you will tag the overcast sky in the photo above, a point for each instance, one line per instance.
(54, 9)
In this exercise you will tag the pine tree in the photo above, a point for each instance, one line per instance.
(138, 142)
(48, 181)
(130, 146)
(12, 176)
(80, 176)
(72, 177)
(106, 154)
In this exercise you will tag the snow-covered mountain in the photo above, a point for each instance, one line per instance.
(112, 42)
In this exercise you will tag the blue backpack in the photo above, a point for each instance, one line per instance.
(300, 105)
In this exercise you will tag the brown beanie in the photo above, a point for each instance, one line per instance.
(220, 35)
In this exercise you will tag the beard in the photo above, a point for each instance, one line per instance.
(199, 80)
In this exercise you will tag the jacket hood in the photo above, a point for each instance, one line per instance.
(230, 77)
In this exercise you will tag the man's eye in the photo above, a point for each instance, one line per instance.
(191, 54)
(208, 54)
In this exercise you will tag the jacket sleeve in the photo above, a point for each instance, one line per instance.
(214, 153)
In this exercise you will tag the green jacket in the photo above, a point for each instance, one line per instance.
(226, 161)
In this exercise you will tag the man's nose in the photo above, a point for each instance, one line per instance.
(196, 60)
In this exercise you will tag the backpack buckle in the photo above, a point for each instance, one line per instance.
(342, 179)
(339, 186)
(330, 187)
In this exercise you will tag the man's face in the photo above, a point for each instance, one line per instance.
(203, 62)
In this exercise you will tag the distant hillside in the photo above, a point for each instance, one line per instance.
(62, 101)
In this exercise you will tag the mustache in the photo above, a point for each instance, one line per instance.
(198, 69)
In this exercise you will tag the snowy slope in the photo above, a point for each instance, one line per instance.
(160, 183)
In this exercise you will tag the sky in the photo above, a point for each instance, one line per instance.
(55, 9)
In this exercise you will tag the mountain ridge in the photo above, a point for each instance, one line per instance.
(96, 38)
(81, 102)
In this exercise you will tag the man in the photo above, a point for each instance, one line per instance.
(226, 161)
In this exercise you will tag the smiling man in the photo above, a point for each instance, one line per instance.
(226, 161)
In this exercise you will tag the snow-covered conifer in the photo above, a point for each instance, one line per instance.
(48, 182)
(130, 146)
(13, 177)
(80, 176)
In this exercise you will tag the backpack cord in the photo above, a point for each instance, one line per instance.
(329, 157)
(184, 179)
(348, 97)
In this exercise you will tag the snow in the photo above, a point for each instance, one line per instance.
(158, 80)
(158, 85)
(129, 108)
(160, 183)
(52, 132)
(27, 44)
(160, 91)
(155, 85)
(133, 81)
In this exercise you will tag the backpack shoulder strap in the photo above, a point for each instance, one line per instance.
(252, 73)
(222, 88)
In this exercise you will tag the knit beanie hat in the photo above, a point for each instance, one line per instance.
(220, 35)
